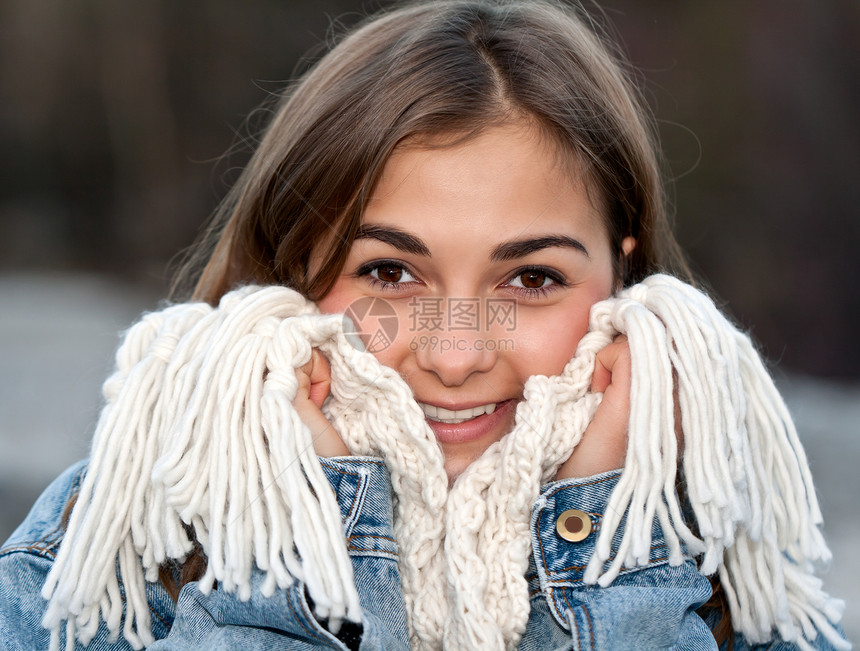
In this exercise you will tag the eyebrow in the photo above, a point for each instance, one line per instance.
(505, 251)
(400, 240)
(521, 248)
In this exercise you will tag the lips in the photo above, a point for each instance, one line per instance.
(469, 424)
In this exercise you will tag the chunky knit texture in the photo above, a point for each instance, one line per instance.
(199, 429)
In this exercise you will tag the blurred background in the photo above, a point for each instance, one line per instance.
(123, 124)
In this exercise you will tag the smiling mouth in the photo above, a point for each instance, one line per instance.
(453, 417)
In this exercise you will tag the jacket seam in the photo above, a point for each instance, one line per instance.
(572, 616)
(575, 625)
(351, 474)
(161, 618)
(370, 535)
(352, 512)
(312, 633)
(613, 553)
(593, 482)
(41, 548)
(590, 624)
(376, 462)
(659, 559)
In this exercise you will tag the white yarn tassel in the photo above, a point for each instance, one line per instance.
(745, 472)
(199, 429)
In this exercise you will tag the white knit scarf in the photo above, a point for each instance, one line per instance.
(199, 429)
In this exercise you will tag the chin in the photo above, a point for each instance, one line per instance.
(456, 467)
(453, 472)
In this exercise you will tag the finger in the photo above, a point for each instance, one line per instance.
(320, 377)
(327, 442)
(603, 446)
(604, 443)
(314, 378)
(608, 362)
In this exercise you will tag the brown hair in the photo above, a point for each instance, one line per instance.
(425, 70)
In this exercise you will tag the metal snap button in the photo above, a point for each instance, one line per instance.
(573, 525)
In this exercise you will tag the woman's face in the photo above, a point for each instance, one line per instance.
(491, 258)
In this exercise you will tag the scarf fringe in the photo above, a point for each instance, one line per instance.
(747, 478)
(198, 429)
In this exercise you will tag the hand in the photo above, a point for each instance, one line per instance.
(604, 444)
(314, 386)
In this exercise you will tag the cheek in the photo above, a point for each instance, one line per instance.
(336, 301)
(391, 345)
(545, 345)
(546, 338)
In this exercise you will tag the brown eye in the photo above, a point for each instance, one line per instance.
(532, 279)
(389, 273)
(533, 282)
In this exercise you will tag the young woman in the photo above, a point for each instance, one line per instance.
(444, 157)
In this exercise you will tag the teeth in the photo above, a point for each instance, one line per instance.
(442, 415)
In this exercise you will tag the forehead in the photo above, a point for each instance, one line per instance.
(522, 129)
(509, 176)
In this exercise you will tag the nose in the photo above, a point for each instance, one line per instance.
(453, 355)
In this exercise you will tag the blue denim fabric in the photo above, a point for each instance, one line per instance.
(652, 607)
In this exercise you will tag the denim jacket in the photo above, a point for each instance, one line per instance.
(651, 607)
